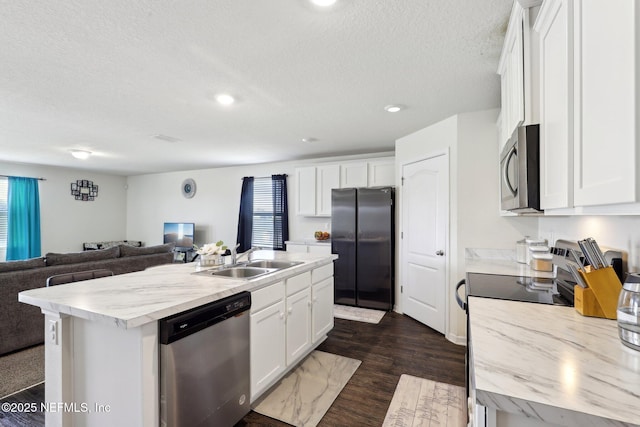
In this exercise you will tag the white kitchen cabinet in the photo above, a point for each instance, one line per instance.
(554, 26)
(518, 71)
(295, 247)
(381, 173)
(306, 191)
(311, 248)
(320, 249)
(606, 152)
(353, 175)
(327, 178)
(268, 337)
(322, 308)
(298, 325)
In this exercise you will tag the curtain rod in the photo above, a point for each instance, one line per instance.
(283, 174)
(13, 176)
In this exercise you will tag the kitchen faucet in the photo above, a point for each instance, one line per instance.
(235, 256)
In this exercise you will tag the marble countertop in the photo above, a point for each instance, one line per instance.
(550, 363)
(499, 261)
(309, 242)
(134, 299)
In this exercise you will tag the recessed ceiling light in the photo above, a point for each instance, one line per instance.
(323, 3)
(394, 108)
(166, 138)
(225, 99)
(310, 139)
(80, 154)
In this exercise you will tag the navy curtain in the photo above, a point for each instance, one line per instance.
(245, 219)
(280, 212)
(23, 219)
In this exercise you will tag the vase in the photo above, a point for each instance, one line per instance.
(209, 260)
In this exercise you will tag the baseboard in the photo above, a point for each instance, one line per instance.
(456, 339)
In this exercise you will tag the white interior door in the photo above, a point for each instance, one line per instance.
(425, 213)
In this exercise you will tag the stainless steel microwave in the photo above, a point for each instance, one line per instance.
(520, 171)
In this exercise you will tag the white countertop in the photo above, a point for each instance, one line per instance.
(311, 242)
(499, 261)
(134, 299)
(551, 363)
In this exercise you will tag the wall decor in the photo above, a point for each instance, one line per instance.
(188, 188)
(84, 190)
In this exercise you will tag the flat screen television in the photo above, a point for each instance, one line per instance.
(180, 233)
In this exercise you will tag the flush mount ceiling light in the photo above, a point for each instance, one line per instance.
(225, 99)
(80, 154)
(394, 108)
(323, 3)
(310, 139)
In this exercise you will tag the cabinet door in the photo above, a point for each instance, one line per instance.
(328, 178)
(298, 324)
(556, 117)
(267, 347)
(353, 175)
(306, 191)
(382, 173)
(605, 145)
(324, 249)
(322, 308)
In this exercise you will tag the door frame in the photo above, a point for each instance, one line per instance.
(401, 247)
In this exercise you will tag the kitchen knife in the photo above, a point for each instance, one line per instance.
(577, 259)
(587, 252)
(598, 251)
(573, 269)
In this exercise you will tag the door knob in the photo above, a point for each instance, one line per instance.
(440, 253)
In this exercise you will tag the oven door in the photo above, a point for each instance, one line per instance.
(509, 173)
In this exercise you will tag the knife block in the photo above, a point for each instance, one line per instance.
(600, 297)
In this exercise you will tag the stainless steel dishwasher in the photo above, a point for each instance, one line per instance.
(204, 364)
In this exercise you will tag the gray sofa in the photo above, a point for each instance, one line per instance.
(22, 325)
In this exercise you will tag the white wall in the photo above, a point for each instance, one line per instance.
(615, 232)
(472, 142)
(65, 223)
(156, 198)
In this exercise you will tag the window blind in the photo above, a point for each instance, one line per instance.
(263, 233)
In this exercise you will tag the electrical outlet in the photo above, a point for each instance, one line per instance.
(52, 332)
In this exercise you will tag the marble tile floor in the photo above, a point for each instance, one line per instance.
(420, 402)
(358, 314)
(306, 393)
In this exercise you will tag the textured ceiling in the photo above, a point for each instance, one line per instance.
(107, 76)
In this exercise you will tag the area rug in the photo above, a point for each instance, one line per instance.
(420, 402)
(306, 393)
(357, 314)
(21, 370)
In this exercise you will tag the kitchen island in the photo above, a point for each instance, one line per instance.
(535, 364)
(101, 336)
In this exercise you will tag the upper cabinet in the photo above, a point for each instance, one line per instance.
(588, 109)
(314, 183)
(518, 78)
(605, 102)
(556, 117)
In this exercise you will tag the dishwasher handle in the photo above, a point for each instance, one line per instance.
(462, 304)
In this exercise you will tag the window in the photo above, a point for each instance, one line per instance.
(263, 219)
(4, 186)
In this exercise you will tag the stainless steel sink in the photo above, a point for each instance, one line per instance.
(270, 263)
(241, 272)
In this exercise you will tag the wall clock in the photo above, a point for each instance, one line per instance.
(188, 188)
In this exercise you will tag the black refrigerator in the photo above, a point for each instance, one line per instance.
(362, 234)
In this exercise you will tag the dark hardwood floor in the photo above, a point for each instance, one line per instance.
(397, 345)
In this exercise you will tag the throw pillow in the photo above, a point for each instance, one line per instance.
(126, 250)
(78, 257)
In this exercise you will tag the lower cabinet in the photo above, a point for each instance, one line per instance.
(322, 308)
(298, 324)
(288, 319)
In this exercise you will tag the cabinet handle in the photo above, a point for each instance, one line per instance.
(282, 315)
(440, 253)
(290, 310)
